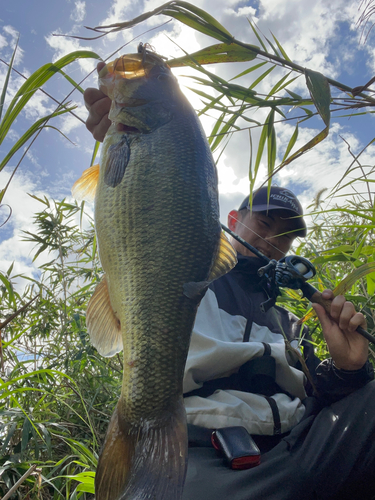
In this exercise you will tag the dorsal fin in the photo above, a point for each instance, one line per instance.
(85, 187)
(226, 259)
(102, 324)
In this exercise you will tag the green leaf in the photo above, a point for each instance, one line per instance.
(218, 53)
(320, 93)
(6, 81)
(370, 278)
(291, 143)
(215, 129)
(280, 48)
(272, 47)
(249, 70)
(224, 130)
(261, 77)
(255, 31)
(200, 13)
(262, 142)
(32, 84)
(294, 95)
(70, 80)
(313, 142)
(353, 277)
(271, 142)
(26, 430)
(182, 11)
(8, 437)
(30, 132)
(9, 288)
(94, 153)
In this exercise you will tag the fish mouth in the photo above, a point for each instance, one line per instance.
(132, 66)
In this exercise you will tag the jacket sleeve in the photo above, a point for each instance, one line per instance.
(334, 384)
(331, 383)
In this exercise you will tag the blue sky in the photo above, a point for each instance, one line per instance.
(321, 36)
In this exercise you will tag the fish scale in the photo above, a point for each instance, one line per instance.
(166, 278)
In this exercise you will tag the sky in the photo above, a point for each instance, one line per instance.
(321, 35)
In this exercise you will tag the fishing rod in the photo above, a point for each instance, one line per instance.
(292, 272)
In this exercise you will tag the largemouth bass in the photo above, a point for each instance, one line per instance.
(160, 244)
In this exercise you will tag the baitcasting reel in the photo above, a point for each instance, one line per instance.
(289, 272)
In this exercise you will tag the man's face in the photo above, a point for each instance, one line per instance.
(270, 233)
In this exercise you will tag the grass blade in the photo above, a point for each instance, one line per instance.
(6, 81)
(320, 93)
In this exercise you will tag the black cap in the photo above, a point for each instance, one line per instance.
(279, 199)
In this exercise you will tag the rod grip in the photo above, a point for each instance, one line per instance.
(318, 299)
(314, 296)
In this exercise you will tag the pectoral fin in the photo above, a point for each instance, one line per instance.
(102, 324)
(117, 161)
(85, 187)
(226, 259)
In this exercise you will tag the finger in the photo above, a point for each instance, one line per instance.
(98, 117)
(99, 131)
(323, 317)
(328, 294)
(91, 96)
(99, 66)
(337, 305)
(357, 320)
(346, 314)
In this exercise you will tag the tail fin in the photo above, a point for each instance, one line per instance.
(144, 462)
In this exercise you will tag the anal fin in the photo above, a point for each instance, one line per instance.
(102, 324)
(85, 187)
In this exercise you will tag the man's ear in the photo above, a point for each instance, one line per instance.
(232, 219)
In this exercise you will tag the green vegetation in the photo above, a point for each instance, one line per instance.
(56, 392)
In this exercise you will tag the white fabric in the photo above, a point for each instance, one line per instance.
(217, 350)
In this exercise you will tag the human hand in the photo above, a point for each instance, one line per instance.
(349, 350)
(98, 105)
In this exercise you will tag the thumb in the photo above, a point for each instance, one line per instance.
(324, 319)
(99, 66)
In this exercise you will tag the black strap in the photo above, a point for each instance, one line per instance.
(211, 386)
(267, 349)
(275, 414)
(256, 375)
(246, 335)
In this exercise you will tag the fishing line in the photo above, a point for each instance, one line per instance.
(289, 272)
(259, 236)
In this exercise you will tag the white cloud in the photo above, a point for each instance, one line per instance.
(79, 11)
(13, 248)
(247, 11)
(11, 31)
(3, 42)
(63, 45)
(118, 11)
(70, 122)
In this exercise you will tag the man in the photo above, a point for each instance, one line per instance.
(238, 373)
(316, 442)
